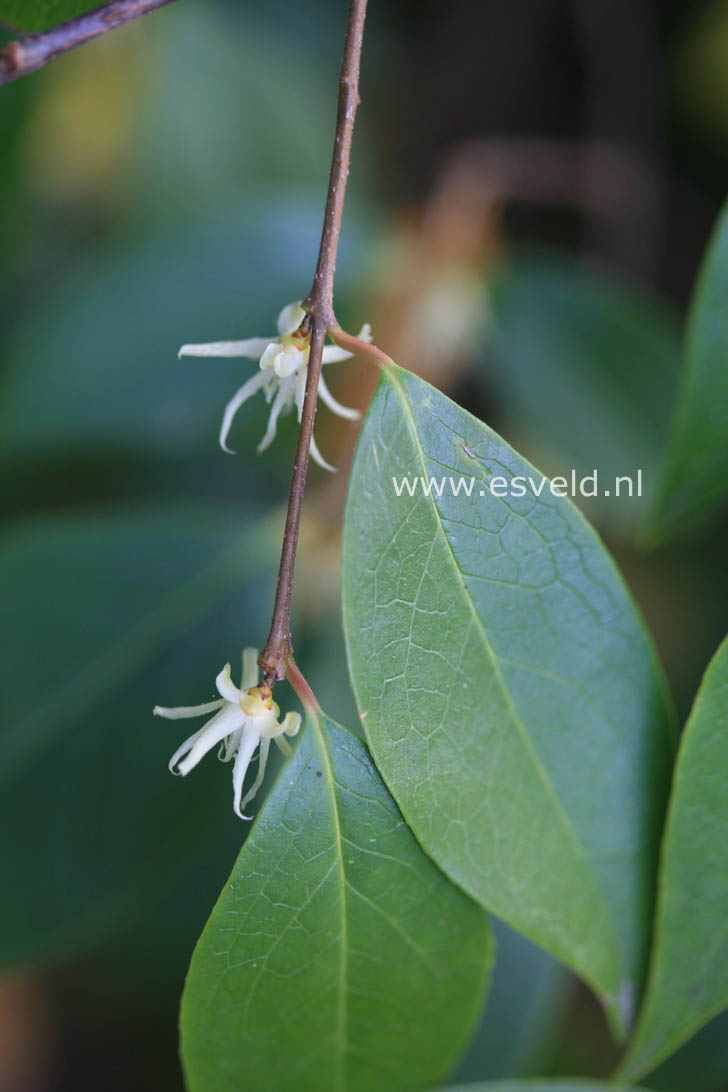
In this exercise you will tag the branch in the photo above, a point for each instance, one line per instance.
(277, 654)
(26, 55)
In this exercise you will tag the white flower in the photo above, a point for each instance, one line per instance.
(282, 375)
(243, 719)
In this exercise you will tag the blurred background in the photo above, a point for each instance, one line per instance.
(532, 188)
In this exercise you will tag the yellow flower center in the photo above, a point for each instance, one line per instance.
(258, 702)
(299, 339)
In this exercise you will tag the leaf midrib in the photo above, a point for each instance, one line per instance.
(542, 773)
(342, 1008)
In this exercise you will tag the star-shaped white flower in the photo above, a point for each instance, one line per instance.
(244, 719)
(282, 375)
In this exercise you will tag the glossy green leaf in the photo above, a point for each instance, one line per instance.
(509, 693)
(105, 616)
(584, 366)
(688, 982)
(338, 956)
(33, 15)
(695, 479)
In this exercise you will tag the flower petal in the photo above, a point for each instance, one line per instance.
(318, 457)
(252, 348)
(246, 391)
(229, 746)
(250, 668)
(184, 748)
(230, 718)
(291, 724)
(289, 361)
(246, 751)
(279, 403)
(226, 687)
(300, 391)
(334, 354)
(336, 407)
(269, 355)
(290, 318)
(181, 711)
(262, 760)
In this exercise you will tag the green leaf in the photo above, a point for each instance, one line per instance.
(34, 15)
(688, 982)
(527, 1006)
(584, 365)
(110, 614)
(337, 956)
(695, 478)
(509, 693)
(536, 1085)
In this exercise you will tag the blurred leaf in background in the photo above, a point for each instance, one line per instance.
(135, 222)
(695, 475)
(527, 1001)
(585, 365)
(108, 614)
(175, 172)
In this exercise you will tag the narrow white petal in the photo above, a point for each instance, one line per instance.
(289, 361)
(318, 457)
(229, 746)
(250, 668)
(336, 407)
(186, 746)
(226, 687)
(245, 753)
(291, 724)
(365, 334)
(334, 354)
(262, 760)
(270, 354)
(226, 722)
(252, 348)
(278, 405)
(246, 391)
(290, 318)
(181, 711)
(299, 395)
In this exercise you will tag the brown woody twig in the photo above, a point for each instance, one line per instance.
(28, 54)
(276, 657)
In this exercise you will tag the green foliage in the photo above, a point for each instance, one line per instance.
(33, 15)
(110, 614)
(688, 980)
(504, 682)
(207, 64)
(509, 693)
(561, 351)
(136, 394)
(534, 1086)
(337, 956)
(695, 479)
